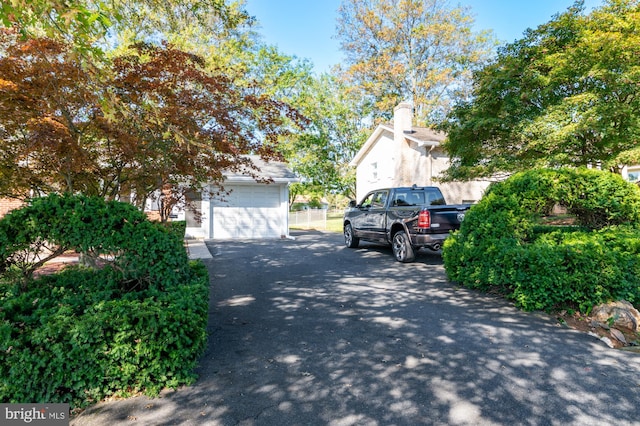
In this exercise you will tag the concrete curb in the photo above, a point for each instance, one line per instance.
(197, 249)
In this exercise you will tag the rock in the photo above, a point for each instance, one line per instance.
(617, 334)
(617, 314)
(608, 342)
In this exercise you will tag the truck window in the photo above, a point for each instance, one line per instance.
(379, 199)
(368, 200)
(434, 198)
(408, 198)
(400, 199)
(416, 198)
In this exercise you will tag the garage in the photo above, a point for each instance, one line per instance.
(246, 209)
(249, 211)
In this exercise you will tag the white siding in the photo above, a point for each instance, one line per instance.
(378, 167)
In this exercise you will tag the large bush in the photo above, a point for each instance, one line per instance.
(503, 245)
(141, 252)
(136, 322)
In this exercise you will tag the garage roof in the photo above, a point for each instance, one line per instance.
(275, 170)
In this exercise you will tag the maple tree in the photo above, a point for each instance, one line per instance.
(49, 110)
(160, 121)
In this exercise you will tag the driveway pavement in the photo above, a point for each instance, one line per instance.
(307, 332)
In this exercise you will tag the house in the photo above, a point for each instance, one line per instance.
(399, 154)
(8, 204)
(631, 173)
(246, 209)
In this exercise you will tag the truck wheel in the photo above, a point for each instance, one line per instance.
(350, 240)
(402, 249)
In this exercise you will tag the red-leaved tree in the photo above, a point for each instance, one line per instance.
(151, 122)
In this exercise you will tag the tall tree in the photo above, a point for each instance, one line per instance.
(86, 23)
(321, 152)
(49, 108)
(79, 22)
(565, 94)
(162, 121)
(134, 101)
(420, 51)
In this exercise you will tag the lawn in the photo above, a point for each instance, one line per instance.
(332, 222)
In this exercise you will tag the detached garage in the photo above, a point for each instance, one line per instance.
(250, 210)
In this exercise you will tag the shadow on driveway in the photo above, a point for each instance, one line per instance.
(306, 331)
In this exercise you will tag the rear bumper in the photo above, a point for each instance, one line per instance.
(427, 240)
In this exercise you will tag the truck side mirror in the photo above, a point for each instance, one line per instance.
(352, 203)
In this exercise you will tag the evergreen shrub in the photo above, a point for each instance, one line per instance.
(504, 245)
(136, 322)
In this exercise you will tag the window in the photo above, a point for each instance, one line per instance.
(375, 199)
(374, 171)
(400, 199)
(379, 199)
(435, 198)
(408, 198)
(368, 200)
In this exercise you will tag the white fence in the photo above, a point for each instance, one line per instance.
(308, 219)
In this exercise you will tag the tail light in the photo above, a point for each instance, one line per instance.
(424, 219)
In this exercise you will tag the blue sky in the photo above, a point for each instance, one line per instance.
(306, 28)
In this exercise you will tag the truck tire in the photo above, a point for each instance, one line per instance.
(402, 249)
(350, 240)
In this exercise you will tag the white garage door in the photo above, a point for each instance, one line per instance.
(249, 211)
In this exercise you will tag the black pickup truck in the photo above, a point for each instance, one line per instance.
(407, 218)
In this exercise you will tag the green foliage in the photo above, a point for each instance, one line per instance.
(177, 228)
(77, 337)
(502, 245)
(135, 324)
(140, 252)
(600, 199)
(321, 152)
(563, 95)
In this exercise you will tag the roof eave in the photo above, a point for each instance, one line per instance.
(370, 142)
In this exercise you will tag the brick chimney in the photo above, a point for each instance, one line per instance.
(402, 120)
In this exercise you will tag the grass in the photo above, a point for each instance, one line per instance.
(332, 224)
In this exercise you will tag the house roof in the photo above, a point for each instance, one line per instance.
(423, 136)
(275, 170)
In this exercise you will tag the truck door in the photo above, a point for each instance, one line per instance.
(368, 221)
(359, 215)
(377, 214)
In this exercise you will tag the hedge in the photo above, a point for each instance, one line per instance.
(135, 324)
(503, 246)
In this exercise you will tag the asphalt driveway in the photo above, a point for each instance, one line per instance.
(307, 332)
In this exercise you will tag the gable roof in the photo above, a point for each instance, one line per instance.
(423, 136)
(275, 170)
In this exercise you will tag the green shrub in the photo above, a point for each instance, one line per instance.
(75, 337)
(177, 228)
(137, 324)
(502, 246)
(141, 252)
